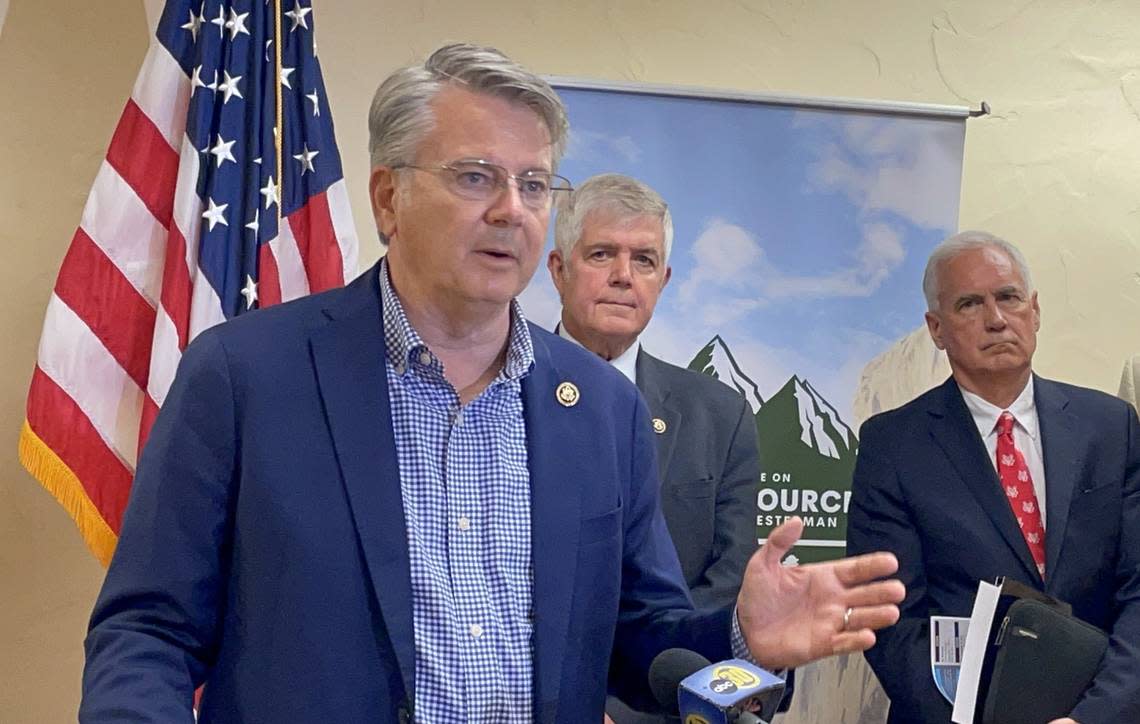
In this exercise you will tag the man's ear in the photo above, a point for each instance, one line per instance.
(668, 276)
(934, 326)
(557, 266)
(382, 194)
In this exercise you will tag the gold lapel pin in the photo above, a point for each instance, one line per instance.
(658, 426)
(567, 394)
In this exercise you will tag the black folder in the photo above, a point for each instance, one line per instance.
(1040, 661)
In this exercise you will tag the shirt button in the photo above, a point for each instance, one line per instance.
(476, 630)
(459, 417)
(464, 522)
(399, 367)
(425, 358)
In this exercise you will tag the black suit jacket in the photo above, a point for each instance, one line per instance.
(708, 463)
(925, 489)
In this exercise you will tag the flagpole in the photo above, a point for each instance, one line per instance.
(279, 119)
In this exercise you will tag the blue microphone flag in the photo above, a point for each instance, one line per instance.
(722, 693)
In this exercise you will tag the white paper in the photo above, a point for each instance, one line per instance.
(981, 622)
(947, 645)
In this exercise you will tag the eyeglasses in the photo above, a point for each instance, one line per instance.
(483, 181)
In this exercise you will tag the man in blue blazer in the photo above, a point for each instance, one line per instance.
(399, 501)
(932, 487)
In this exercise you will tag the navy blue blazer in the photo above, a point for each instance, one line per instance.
(925, 489)
(263, 552)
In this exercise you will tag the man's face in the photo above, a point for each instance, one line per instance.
(455, 249)
(611, 279)
(987, 320)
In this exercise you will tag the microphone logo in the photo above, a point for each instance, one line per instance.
(696, 719)
(730, 679)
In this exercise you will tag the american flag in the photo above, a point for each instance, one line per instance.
(181, 232)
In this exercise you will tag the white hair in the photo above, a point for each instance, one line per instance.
(966, 241)
(615, 193)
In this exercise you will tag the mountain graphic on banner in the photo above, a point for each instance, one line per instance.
(807, 458)
(807, 455)
(798, 406)
(716, 360)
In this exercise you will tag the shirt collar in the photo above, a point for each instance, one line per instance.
(626, 362)
(402, 341)
(986, 414)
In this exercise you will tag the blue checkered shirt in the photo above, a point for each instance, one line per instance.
(466, 492)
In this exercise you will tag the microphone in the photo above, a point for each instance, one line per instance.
(729, 692)
(667, 671)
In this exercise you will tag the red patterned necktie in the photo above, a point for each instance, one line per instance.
(1018, 484)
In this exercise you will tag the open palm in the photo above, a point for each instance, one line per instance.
(791, 615)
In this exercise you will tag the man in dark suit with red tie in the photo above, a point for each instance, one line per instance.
(1000, 472)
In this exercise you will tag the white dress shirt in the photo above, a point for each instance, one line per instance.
(626, 362)
(1026, 434)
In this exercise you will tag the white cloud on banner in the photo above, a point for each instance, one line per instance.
(891, 165)
(880, 252)
(599, 148)
(727, 257)
(732, 275)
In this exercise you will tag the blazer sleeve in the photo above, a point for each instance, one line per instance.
(655, 609)
(155, 628)
(734, 531)
(1114, 695)
(879, 520)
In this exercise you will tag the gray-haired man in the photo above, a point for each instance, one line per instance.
(1000, 472)
(399, 500)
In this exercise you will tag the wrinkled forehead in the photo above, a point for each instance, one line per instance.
(612, 219)
(984, 270)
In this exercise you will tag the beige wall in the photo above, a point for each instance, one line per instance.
(1056, 168)
(56, 116)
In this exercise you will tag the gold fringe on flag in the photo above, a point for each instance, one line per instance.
(59, 480)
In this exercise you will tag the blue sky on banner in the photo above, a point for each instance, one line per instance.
(800, 235)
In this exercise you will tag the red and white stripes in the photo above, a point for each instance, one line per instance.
(130, 297)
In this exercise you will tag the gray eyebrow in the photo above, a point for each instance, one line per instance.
(1010, 288)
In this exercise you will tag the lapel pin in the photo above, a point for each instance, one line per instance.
(658, 426)
(567, 394)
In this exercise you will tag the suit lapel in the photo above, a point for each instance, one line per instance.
(555, 514)
(349, 354)
(1063, 442)
(657, 399)
(954, 430)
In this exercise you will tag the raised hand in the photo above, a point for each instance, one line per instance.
(791, 615)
